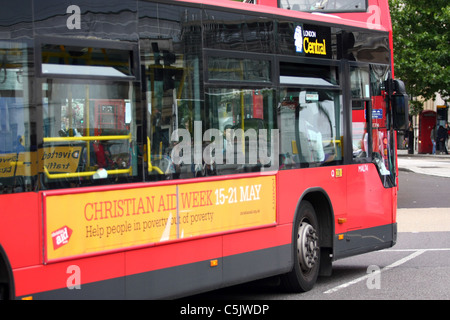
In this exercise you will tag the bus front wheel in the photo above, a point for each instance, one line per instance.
(306, 251)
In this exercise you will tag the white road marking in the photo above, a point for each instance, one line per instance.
(410, 250)
(415, 254)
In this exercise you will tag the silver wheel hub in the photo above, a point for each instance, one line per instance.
(308, 246)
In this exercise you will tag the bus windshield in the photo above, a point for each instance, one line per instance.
(324, 5)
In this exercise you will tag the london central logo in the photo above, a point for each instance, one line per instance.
(307, 41)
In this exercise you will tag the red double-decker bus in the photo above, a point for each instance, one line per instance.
(157, 149)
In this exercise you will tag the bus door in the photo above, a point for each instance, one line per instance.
(88, 112)
(371, 140)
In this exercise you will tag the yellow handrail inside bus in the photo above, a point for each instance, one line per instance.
(90, 138)
(88, 123)
(333, 141)
(149, 159)
(87, 173)
(84, 174)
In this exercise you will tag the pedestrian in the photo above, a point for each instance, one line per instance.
(447, 127)
(433, 139)
(410, 138)
(442, 136)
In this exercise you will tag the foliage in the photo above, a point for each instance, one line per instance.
(422, 47)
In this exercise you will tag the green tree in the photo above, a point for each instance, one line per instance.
(422, 47)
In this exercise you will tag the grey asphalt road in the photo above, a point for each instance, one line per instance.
(423, 191)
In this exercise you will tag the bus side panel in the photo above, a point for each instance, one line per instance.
(20, 228)
(72, 279)
(363, 210)
(174, 269)
(394, 196)
(163, 271)
(369, 202)
(192, 266)
(241, 242)
(256, 254)
(294, 183)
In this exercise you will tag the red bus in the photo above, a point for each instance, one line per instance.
(157, 149)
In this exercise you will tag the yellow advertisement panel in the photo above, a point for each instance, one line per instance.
(89, 223)
(226, 205)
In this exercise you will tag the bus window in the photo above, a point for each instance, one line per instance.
(78, 60)
(171, 61)
(371, 137)
(243, 119)
(316, 137)
(89, 133)
(172, 105)
(382, 141)
(360, 95)
(18, 168)
(238, 69)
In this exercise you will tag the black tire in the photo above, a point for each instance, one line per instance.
(3, 292)
(306, 248)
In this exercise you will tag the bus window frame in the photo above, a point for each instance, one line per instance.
(132, 48)
(211, 84)
(310, 61)
(134, 137)
(367, 106)
(338, 88)
(271, 58)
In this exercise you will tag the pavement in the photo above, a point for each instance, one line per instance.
(434, 165)
(423, 220)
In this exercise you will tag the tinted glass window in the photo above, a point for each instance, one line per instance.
(89, 133)
(364, 46)
(18, 157)
(229, 31)
(311, 128)
(94, 61)
(304, 74)
(242, 120)
(232, 69)
(171, 64)
(115, 19)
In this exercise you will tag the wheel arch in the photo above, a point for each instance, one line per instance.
(321, 202)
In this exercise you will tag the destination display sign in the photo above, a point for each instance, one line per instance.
(313, 41)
